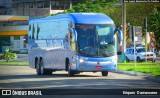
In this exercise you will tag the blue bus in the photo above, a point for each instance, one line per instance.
(75, 42)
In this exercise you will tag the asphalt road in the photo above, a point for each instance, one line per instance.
(24, 77)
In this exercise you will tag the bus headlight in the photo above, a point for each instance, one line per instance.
(80, 60)
(114, 60)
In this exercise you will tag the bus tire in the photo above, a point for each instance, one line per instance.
(38, 71)
(70, 72)
(42, 70)
(104, 73)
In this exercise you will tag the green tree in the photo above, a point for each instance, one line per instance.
(137, 12)
(9, 55)
(154, 25)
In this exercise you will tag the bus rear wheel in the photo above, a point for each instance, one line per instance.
(43, 71)
(38, 71)
(104, 73)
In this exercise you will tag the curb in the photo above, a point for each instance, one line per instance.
(155, 79)
(146, 76)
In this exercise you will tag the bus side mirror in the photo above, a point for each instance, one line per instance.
(120, 33)
(115, 31)
(74, 33)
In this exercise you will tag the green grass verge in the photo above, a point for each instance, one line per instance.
(145, 67)
(12, 63)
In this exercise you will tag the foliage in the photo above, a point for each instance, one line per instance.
(9, 55)
(14, 63)
(146, 67)
(154, 25)
(137, 12)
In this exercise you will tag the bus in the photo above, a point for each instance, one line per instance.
(74, 42)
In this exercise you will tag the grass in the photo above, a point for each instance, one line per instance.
(13, 63)
(145, 67)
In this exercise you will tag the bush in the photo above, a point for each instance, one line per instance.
(9, 55)
(1, 57)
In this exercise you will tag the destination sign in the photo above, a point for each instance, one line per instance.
(141, 1)
(86, 26)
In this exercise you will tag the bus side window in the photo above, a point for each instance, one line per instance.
(30, 27)
(72, 41)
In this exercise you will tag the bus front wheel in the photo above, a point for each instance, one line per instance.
(104, 73)
(41, 67)
(70, 72)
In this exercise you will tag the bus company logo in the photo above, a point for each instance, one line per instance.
(98, 63)
(6, 92)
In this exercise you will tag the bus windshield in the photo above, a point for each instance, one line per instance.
(95, 40)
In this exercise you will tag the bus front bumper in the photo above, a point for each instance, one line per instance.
(90, 66)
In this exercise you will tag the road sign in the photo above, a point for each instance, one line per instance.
(138, 34)
(153, 41)
(138, 31)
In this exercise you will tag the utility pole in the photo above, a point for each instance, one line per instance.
(146, 39)
(65, 5)
(50, 7)
(124, 31)
(70, 4)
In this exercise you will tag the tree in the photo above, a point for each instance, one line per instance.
(154, 25)
(137, 12)
(9, 55)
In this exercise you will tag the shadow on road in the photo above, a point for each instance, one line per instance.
(42, 76)
(61, 81)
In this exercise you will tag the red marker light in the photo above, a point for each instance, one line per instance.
(98, 67)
